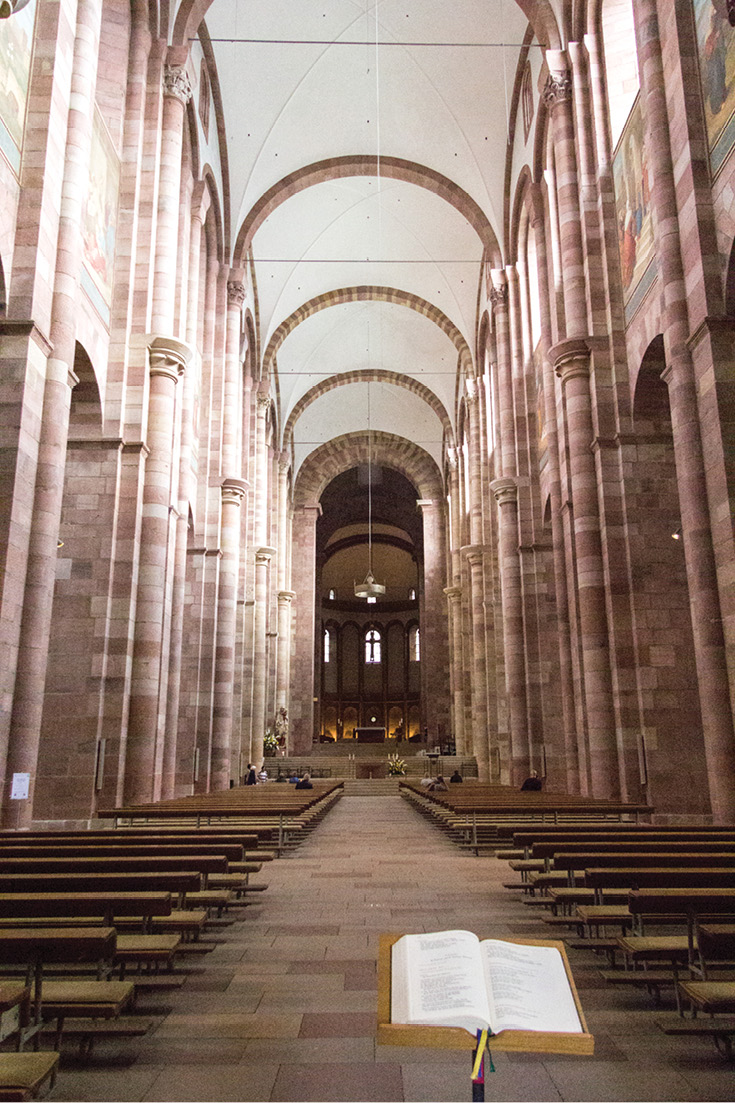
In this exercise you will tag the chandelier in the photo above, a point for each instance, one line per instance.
(369, 588)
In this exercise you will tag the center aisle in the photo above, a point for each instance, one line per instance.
(284, 1007)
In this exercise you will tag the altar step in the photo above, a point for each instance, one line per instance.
(371, 787)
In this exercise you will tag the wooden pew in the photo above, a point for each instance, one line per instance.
(27, 1075)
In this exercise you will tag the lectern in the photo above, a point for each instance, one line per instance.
(449, 1037)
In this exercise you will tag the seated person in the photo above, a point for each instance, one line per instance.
(293, 780)
(263, 775)
(305, 782)
(532, 783)
(438, 785)
(426, 782)
(456, 776)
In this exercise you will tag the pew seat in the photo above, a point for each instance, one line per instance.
(27, 1075)
(150, 950)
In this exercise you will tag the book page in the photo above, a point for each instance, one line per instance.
(437, 980)
(528, 988)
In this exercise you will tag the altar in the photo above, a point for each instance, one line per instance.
(370, 735)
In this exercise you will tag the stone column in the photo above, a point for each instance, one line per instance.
(169, 787)
(301, 727)
(285, 597)
(35, 627)
(233, 492)
(571, 361)
(146, 724)
(506, 495)
(706, 611)
(263, 557)
(566, 687)
(474, 554)
(454, 593)
(176, 95)
(434, 629)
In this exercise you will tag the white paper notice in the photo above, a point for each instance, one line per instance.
(20, 787)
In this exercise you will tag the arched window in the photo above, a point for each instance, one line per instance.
(372, 646)
(414, 644)
(327, 645)
(412, 594)
(332, 595)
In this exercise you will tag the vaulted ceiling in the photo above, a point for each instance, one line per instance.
(367, 147)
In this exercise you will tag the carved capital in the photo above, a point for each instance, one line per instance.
(557, 90)
(235, 293)
(285, 597)
(570, 358)
(505, 491)
(233, 491)
(176, 83)
(454, 593)
(498, 297)
(263, 556)
(474, 554)
(263, 400)
(167, 356)
(284, 462)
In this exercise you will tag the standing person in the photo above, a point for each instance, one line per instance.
(250, 778)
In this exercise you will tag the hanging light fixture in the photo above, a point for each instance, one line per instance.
(369, 588)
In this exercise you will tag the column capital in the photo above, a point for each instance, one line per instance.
(176, 83)
(285, 597)
(201, 200)
(309, 507)
(167, 356)
(235, 294)
(558, 87)
(264, 555)
(473, 553)
(505, 491)
(570, 357)
(424, 503)
(497, 289)
(233, 490)
(284, 461)
(263, 399)
(454, 593)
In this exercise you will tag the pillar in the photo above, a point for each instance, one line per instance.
(571, 360)
(301, 727)
(35, 626)
(146, 724)
(454, 594)
(709, 649)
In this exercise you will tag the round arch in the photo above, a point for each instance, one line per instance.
(338, 455)
(370, 375)
(366, 293)
(540, 15)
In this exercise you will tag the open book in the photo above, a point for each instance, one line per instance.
(451, 978)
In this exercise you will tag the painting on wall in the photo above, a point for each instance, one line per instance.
(716, 45)
(99, 220)
(633, 207)
(16, 40)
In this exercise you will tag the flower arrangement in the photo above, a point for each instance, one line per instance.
(396, 766)
(270, 743)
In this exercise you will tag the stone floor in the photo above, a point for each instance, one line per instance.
(284, 1007)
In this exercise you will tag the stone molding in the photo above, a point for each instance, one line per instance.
(505, 491)
(424, 503)
(710, 326)
(167, 356)
(176, 83)
(11, 327)
(571, 358)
